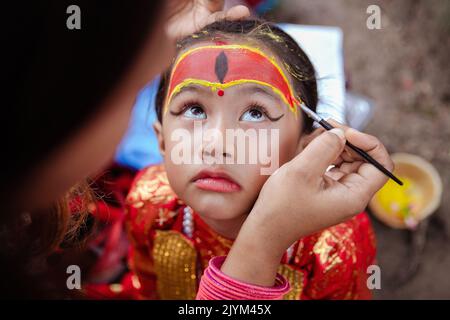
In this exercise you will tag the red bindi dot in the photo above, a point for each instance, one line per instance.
(220, 93)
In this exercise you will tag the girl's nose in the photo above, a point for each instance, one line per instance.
(212, 154)
(215, 144)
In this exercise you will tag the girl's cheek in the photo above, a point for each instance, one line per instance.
(178, 136)
(288, 144)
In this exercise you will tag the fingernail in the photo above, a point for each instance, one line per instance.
(339, 132)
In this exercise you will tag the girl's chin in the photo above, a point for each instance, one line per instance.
(218, 206)
(218, 212)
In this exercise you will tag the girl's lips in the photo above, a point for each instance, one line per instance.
(215, 181)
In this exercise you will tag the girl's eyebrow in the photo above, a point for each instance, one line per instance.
(246, 90)
(259, 89)
(189, 88)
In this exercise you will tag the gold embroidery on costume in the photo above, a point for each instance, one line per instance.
(324, 250)
(211, 246)
(295, 278)
(326, 265)
(153, 186)
(164, 215)
(175, 261)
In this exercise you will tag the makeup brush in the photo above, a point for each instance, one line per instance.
(359, 151)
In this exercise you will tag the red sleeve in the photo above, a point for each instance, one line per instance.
(332, 264)
(150, 203)
(140, 259)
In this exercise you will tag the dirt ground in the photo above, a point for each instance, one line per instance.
(404, 68)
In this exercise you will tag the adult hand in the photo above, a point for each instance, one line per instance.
(302, 197)
(194, 15)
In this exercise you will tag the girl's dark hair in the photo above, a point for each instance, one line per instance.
(295, 61)
(55, 79)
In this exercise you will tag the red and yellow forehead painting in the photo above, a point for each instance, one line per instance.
(222, 66)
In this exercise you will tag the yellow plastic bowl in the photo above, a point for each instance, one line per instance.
(422, 192)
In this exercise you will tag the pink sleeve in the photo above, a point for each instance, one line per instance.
(215, 285)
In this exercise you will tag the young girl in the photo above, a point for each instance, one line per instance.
(233, 75)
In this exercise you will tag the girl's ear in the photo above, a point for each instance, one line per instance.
(307, 138)
(158, 130)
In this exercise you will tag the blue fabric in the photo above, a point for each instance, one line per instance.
(266, 6)
(139, 146)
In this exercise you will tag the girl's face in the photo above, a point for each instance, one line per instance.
(213, 180)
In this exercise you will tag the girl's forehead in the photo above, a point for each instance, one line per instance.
(224, 42)
(247, 43)
(220, 66)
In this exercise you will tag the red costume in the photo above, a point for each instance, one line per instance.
(330, 264)
(171, 246)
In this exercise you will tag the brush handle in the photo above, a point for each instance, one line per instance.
(364, 155)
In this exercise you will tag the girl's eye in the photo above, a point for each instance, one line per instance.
(254, 115)
(194, 112)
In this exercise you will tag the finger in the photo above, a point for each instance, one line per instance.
(320, 153)
(212, 5)
(368, 179)
(361, 179)
(234, 13)
(348, 155)
(337, 124)
(338, 172)
(237, 13)
(335, 174)
(306, 139)
(366, 142)
(350, 167)
(216, 16)
(372, 146)
(375, 178)
(338, 161)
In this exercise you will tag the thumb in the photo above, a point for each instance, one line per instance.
(321, 152)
